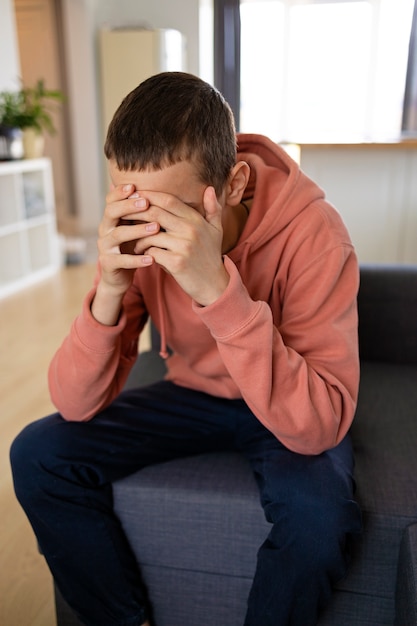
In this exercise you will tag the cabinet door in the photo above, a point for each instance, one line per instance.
(13, 259)
(35, 200)
(10, 200)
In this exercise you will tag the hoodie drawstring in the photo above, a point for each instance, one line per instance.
(163, 352)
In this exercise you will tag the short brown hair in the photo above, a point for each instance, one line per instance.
(171, 117)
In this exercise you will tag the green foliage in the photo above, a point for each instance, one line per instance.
(30, 107)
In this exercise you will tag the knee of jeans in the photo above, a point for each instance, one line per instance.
(28, 455)
(316, 530)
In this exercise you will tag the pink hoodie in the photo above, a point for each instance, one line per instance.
(283, 336)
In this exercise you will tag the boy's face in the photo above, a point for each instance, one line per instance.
(180, 180)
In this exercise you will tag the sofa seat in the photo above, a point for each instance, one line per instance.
(198, 531)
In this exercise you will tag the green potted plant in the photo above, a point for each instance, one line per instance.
(30, 111)
(11, 143)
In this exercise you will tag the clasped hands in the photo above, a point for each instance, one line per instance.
(140, 228)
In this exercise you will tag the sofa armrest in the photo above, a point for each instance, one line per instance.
(406, 591)
(387, 304)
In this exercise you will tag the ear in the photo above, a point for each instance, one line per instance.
(236, 185)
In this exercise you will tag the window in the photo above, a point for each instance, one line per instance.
(323, 70)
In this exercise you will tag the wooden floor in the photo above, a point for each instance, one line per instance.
(33, 323)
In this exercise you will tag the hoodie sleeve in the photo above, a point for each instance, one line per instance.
(300, 374)
(90, 368)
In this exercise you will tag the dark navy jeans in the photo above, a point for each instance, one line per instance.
(63, 474)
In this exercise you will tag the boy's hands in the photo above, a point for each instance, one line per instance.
(140, 229)
(188, 244)
(115, 244)
(118, 232)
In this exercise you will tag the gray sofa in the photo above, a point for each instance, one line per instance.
(195, 524)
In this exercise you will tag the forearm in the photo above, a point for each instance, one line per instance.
(91, 366)
(299, 378)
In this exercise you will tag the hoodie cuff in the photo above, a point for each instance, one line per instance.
(94, 336)
(233, 311)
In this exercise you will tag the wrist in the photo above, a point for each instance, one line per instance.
(215, 290)
(107, 304)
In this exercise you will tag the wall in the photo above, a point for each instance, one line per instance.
(82, 20)
(9, 56)
(374, 187)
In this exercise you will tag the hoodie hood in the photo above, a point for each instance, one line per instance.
(279, 189)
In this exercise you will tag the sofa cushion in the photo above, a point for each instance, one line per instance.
(406, 595)
(384, 435)
(201, 513)
(387, 304)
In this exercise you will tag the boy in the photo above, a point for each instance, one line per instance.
(251, 279)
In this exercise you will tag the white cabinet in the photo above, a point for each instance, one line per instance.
(29, 244)
(130, 55)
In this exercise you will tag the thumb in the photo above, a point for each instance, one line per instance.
(212, 207)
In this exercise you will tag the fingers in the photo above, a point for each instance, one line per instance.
(119, 192)
(122, 202)
(167, 206)
(125, 202)
(132, 217)
(121, 226)
(176, 216)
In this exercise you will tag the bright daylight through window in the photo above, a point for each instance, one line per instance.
(322, 70)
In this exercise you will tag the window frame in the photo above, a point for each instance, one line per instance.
(409, 119)
(226, 18)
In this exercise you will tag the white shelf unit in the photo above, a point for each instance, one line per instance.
(29, 243)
